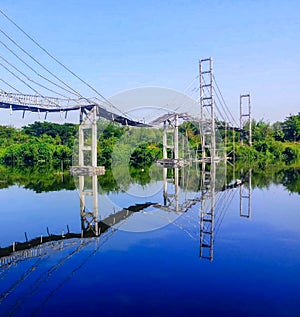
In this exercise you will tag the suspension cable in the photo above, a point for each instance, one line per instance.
(33, 89)
(58, 62)
(36, 61)
(234, 121)
(32, 69)
(29, 79)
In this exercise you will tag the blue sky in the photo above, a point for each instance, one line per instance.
(119, 45)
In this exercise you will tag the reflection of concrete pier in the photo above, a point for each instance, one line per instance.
(87, 167)
(87, 170)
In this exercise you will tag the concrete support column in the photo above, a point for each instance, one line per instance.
(94, 137)
(165, 153)
(176, 138)
(80, 146)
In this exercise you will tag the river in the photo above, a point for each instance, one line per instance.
(150, 258)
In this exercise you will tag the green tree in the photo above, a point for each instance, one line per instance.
(291, 128)
(63, 131)
(278, 133)
(261, 130)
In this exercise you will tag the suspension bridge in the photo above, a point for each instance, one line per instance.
(49, 93)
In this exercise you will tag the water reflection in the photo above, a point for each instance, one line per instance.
(203, 188)
(47, 179)
(39, 179)
(206, 188)
(194, 199)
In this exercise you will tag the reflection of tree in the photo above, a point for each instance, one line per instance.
(107, 183)
(272, 174)
(45, 180)
(36, 179)
(291, 180)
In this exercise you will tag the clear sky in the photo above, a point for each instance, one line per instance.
(119, 45)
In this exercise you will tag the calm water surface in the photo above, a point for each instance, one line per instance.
(254, 270)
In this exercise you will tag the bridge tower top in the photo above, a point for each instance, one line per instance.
(208, 129)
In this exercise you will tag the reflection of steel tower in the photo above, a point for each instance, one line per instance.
(207, 123)
(246, 195)
(207, 210)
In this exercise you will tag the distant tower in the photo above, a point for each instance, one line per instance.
(245, 113)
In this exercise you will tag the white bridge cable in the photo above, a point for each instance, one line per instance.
(29, 79)
(33, 70)
(104, 100)
(156, 113)
(228, 110)
(9, 85)
(190, 84)
(221, 101)
(42, 278)
(104, 240)
(33, 89)
(14, 96)
(185, 91)
(221, 218)
(37, 62)
(224, 113)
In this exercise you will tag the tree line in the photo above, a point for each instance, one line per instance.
(51, 143)
(273, 142)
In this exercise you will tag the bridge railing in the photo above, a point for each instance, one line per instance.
(45, 101)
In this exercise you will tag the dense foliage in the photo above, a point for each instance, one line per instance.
(41, 142)
(50, 143)
(279, 141)
(63, 133)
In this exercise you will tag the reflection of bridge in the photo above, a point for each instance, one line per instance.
(33, 248)
(209, 198)
(35, 275)
(212, 200)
